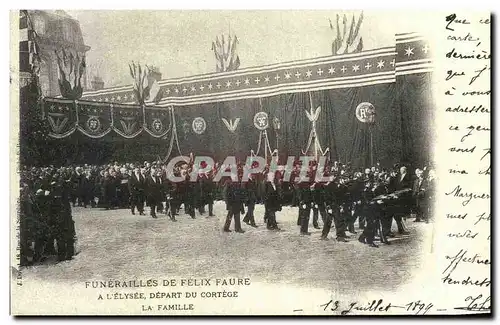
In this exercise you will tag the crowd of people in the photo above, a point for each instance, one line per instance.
(375, 197)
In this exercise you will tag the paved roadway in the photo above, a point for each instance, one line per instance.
(117, 245)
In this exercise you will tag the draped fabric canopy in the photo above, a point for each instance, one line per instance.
(314, 109)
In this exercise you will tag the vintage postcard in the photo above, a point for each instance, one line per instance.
(330, 163)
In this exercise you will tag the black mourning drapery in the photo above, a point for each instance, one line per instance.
(416, 105)
(402, 132)
(353, 138)
(337, 126)
(80, 149)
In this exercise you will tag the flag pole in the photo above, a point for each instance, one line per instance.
(264, 134)
(277, 139)
(314, 129)
(370, 128)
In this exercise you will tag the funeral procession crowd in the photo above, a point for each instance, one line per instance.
(374, 197)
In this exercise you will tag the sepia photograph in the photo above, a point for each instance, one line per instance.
(244, 162)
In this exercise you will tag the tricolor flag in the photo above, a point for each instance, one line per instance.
(348, 39)
(29, 52)
(71, 69)
(226, 58)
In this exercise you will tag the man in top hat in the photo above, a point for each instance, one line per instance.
(336, 194)
(371, 211)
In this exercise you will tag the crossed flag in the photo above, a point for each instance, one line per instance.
(226, 57)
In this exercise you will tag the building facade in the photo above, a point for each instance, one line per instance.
(55, 30)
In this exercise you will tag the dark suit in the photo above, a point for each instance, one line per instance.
(28, 225)
(108, 191)
(419, 198)
(116, 180)
(251, 199)
(306, 199)
(154, 195)
(405, 200)
(334, 202)
(87, 190)
(404, 203)
(402, 183)
(122, 196)
(137, 192)
(185, 192)
(190, 197)
(205, 190)
(60, 215)
(368, 210)
(169, 192)
(319, 201)
(78, 187)
(373, 213)
(235, 198)
(355, 189)
(271, 204)
(175, 198)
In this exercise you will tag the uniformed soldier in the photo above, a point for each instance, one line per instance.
(356, 190)
(319, 197)
(372, 211)
(344, 198)
(334, 201)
